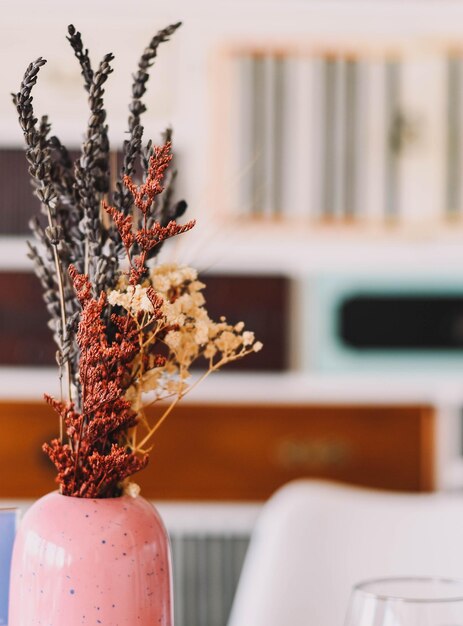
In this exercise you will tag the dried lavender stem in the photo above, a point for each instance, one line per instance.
(141, 373)
(63, 314)
(86, 256)
(63, 321)
(112, 170)
(38, 154)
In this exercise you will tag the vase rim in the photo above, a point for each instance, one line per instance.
(123, 496)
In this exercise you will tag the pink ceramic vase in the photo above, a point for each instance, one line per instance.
(78, 561)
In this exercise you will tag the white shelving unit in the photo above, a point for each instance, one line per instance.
(294, 249)
(301, 255)
(220, 243)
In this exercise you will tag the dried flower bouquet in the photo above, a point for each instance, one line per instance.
(124, 325)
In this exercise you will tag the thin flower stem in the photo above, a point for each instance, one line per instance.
(86, 255)
(212, 368)
(113, 169)
(141, 373)
(63, 316)
(159, 399)
(160, 421)
(152, 338)
(171, 407)
(144, 419)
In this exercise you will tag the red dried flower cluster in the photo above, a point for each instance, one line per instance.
(96, 458)
(95, 461)
(143, 197)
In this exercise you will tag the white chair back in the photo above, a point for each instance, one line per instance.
(314, 540)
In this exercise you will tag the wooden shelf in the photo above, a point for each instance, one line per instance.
(245, 451)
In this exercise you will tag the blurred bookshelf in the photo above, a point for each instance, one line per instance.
(320, 147)
(324, 141)
(342, 134)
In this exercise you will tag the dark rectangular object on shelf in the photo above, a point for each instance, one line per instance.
(261, 301)
(399, 322)
(17, 200)
(25, 338)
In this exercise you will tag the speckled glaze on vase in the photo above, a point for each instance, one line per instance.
(78, 561)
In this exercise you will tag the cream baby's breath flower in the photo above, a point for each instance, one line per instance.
(228, 342)
(118, 298)
(131, 489)
(173, 340)
(151, 379)
(168, 276)
(172, 314)
(184, 330)
(202, 332)
(210, 351)
(248, 338)
(133, 299)
(196, 285)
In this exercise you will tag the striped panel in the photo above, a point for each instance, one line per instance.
(454, 130)
(206, 569)
(262, 97)
(324, 112)
(394, 125)
(339, 116)
(328, 122)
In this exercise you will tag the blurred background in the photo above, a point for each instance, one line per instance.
(320, 147)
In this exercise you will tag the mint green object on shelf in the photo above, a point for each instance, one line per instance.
(323, 347)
